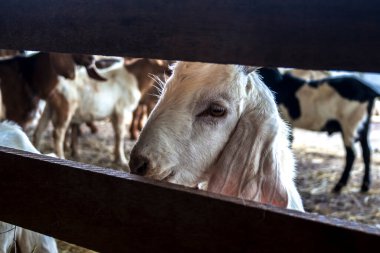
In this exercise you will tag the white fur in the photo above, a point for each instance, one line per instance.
(309, 75)
(91, 100)
(28, 241)
(12, 136)
(244, 154)
(7, 236)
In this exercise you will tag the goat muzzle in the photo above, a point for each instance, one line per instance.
(139, 165)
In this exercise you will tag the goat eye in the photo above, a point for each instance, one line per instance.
(213, 110)
(216, 110)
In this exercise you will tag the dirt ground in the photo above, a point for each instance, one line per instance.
(320, 164)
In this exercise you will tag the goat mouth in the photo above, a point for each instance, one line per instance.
(162, 176)
(168, 177)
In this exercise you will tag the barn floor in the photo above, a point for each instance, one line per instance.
(320, 163)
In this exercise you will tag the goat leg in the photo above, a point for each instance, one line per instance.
(42, 125)
(75, 129)
(350, 158)
(136, 118)
(366, 151)
(92, 127)
(118, 124)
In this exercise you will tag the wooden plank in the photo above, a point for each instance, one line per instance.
(112, 211)
(315, 34)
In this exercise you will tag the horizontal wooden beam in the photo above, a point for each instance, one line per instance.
(112, 211)
(315, 34)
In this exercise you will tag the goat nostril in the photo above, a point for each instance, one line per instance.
(139, 165)
(142, 169)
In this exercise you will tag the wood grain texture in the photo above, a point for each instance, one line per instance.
(111, 211)
(315, 34)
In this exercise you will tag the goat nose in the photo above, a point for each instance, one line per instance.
(139, 165)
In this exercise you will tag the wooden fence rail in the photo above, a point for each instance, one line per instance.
(316, 34)
(112, 211)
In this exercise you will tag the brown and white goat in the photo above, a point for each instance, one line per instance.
(26, 80)
(147, 73)
(219, 124)
(84, 99)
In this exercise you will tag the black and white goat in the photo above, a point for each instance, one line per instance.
(335, 104)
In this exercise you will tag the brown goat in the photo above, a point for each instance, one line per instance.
(143, 69)
(25, 80)
(146, 104)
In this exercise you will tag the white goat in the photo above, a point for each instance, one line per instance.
(219, 123)
(27, 241)
(84, 99)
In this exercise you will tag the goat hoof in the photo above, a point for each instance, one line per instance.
(125, 168)
(134, 136)
(364, 188)
(123, 165)
(94, 130)
(338, 188)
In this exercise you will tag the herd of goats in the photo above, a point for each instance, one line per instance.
(221, 128)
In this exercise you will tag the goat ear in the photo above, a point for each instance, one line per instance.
(249, 165)
(106, 63)
(63, 64)
(93, 73)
